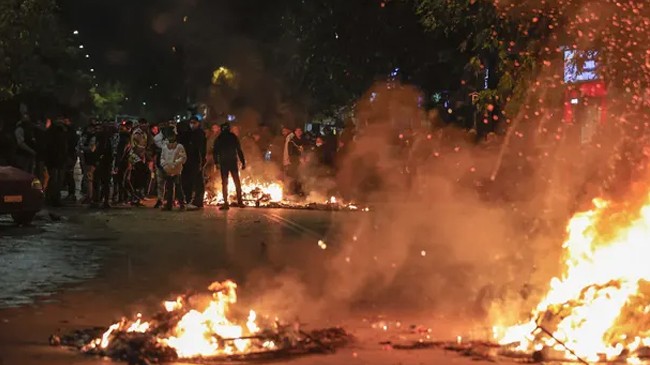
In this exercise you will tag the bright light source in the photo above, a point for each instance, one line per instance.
(144, 103)
(81, 46)
(231, 117)
(87, 56)
(92, 70)
(575, 101)
(76, 32)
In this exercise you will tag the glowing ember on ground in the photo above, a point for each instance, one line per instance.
(209, 328)
(598, 309)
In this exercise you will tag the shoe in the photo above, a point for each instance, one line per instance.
(224, 207)
(191, 207)
(166, 208)
(70, 198)
(241, 205)
(181, 208)
(159, 204)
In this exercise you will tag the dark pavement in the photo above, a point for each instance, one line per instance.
(94, 267)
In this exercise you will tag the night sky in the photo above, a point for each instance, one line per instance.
(154, 47)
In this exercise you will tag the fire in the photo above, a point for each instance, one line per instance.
(599, 308)
(253, 192)
(206, 332)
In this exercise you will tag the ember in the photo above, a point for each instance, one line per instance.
(598, 309)
(214, 331)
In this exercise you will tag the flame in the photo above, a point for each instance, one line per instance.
(252, 191)
(198, 333)
(598, 308)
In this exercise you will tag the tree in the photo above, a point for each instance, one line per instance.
(37, 59)
(343, 47)
(107, 99)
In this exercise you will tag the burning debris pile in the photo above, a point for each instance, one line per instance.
(214, 332)
(271, 195)
(598, 310)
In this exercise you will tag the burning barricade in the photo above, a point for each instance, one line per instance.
(598, 310)
(261, 194)
(212, 331)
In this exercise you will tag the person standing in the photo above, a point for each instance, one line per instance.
(88, 146)
(71, 161)
(228, 154)
(121, 163)
(57, 155)
(138, 170)
(103, 169)
(172, 159)
(157, 146)
(41, 153)
(26, 142)
(196, 150)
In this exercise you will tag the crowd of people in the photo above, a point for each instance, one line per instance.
(171, 161)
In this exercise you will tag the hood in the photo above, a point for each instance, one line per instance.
(8, 173)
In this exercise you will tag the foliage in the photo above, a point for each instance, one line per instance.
(107, 99)
(344, 46)
(36, 57)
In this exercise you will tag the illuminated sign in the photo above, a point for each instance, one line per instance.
(580, 66)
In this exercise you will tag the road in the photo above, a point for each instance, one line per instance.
(93, 267)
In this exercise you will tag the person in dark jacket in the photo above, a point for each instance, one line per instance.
(193, 170)
(228, 154)
(71, 148)
(41, 153)
(56, 145)
(26, 142)
(103, 168)
(121, 162)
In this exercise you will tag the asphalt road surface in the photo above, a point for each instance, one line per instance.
(92, 267)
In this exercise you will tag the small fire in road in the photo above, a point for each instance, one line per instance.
(197, 329)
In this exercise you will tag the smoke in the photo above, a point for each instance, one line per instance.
(465, 229)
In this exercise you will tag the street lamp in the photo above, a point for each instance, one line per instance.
(81, 46)
(92, 70)
(87, 56)
(76, 32)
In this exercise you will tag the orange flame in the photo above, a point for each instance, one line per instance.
(199, 333)
(596, 306)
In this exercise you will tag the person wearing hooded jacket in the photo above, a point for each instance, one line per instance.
(227, 154)
(172, 158)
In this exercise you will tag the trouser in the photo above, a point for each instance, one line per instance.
(119, 184)
(90, 182)
(197, 186)
(160, 183)
(41, 173)
(173, 184)
(54, 186)
(137, 180)
(186, 181)
(68, 180)
(230, 169)
(292, 180)
(101, 184)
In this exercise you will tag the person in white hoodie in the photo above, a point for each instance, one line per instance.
(172, 159)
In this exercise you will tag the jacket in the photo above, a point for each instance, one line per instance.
(56, 145)
(172, 159)
(227, 149)
(196, 148)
